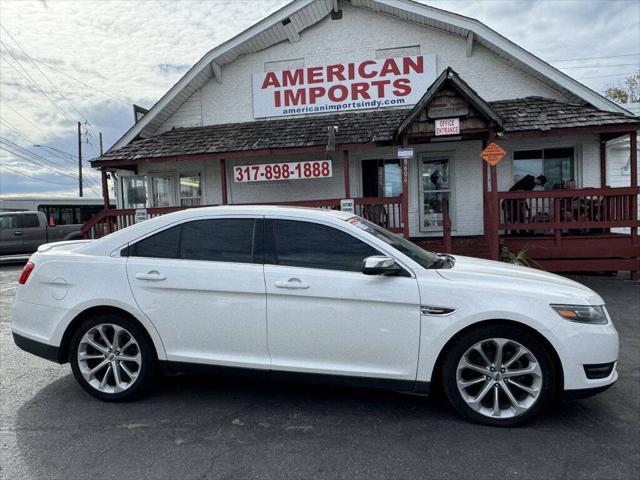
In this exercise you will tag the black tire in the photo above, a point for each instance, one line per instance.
(527, 340)
(145, 373)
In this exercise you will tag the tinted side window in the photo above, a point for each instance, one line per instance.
(310, 245)
(29, 221)
(8, 221)
(164, 244)
(219, 240)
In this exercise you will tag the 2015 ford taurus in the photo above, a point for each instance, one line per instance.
(302, 293)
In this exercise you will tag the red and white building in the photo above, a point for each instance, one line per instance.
(385, 106)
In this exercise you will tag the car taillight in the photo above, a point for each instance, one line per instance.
(26, 271)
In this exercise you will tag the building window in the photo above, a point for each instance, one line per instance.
(134, 190)
(435, 187)
(190, 190)
(554, 163)
(381, 178)
(162, 187)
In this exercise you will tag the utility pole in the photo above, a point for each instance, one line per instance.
(100, 143)
(80, 158)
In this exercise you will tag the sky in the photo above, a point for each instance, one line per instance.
(64, 61)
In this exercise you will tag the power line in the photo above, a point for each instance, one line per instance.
(601, 66)
(89, 177)
(596, 58)
(24, 118)
(36, 86)
(82, 82)
(91, 181)
(24, 52)
(26, 159)
(31, 177)
(30, 140)
(605, 76)
(19, 151)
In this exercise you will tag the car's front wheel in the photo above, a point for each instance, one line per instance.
(112, 358)
(500, 375)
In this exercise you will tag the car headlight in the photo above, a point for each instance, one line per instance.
(593, 314)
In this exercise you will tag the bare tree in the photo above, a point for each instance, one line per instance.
(629, 93)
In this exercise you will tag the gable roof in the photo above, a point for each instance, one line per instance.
(451, 77)
(378, 126)
(305, 13)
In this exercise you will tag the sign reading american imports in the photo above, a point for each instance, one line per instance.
(343, 86)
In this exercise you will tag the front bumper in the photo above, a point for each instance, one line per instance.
(583, 348)
(585, 392)
(42, 350)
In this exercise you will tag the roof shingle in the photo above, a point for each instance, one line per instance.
(521, 114)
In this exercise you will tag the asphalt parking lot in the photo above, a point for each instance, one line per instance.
(208, 427)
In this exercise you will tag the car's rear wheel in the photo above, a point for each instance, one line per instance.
(112, 358)
(501, 376)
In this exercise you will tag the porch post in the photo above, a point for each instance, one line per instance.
(345, 159)
(495, 215)
(633, 144)
(603, 161)
(485, 193)
(223, 180)
(404, 164)
(105, 188)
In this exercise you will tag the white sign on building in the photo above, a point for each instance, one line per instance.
(347, 205)
(447, 126)
(356, 85)
(141, 215)
(269, 172)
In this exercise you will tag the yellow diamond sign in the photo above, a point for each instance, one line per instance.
(493, 153)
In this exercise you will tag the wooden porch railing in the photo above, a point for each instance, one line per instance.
(386, 212)
(558, 212)
(108, 221)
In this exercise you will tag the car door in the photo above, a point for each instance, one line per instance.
(33, 234)
(325, 316)
(10, 235)
(201, 283)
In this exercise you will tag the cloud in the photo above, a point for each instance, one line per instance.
(94, 59)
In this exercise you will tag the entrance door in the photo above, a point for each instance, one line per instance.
(202, 286)
(325, 316)
(435, 186)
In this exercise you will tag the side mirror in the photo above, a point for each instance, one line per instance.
(380, 265)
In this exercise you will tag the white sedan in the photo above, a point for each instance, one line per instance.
(309, 294)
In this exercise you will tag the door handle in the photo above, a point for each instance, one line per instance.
(292, 283)
(153, 275)
(17, 234)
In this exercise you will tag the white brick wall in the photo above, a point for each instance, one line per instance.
(466, 165)
(356, 37)
(188, 115)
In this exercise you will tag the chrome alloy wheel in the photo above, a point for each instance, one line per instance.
(499, 378)
(109, 358)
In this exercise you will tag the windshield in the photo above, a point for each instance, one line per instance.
(422, 257)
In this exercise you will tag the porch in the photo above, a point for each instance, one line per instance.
(441, 195)
(589, 229)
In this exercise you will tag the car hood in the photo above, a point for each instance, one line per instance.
(495, 276)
